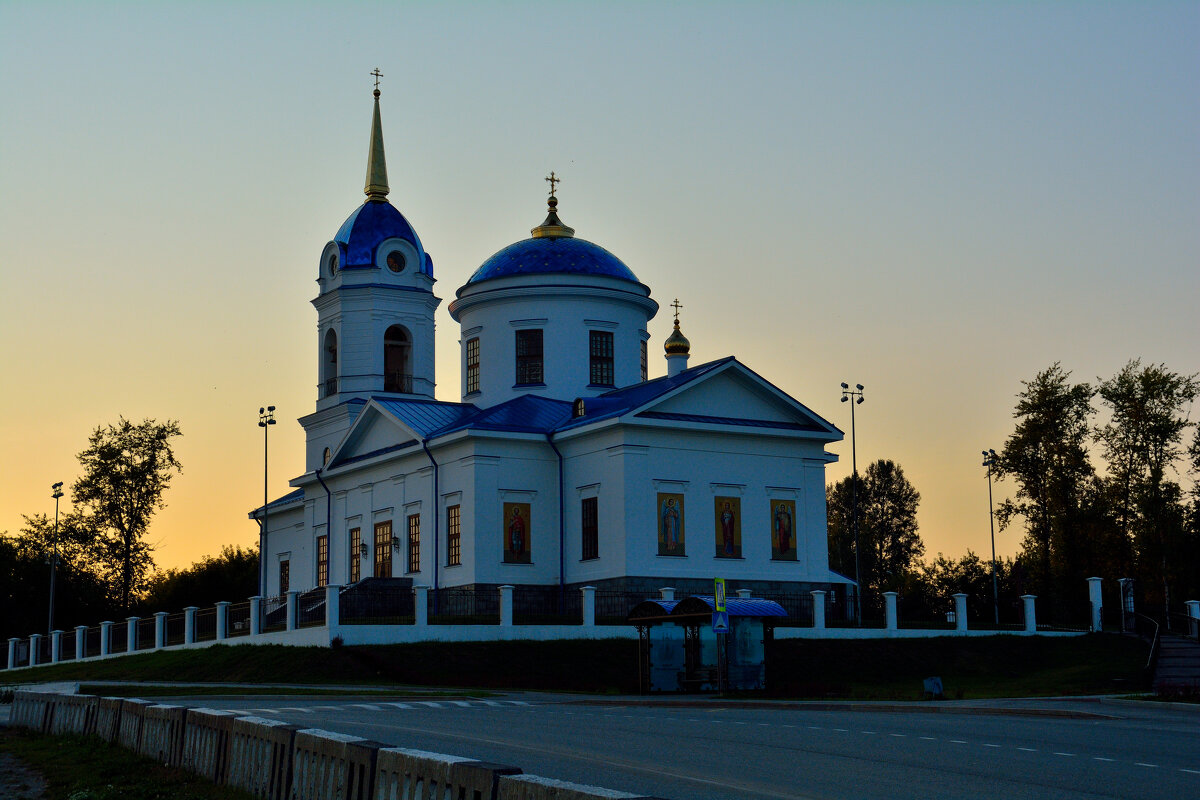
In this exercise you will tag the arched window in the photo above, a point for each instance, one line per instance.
(329, 368)
(397, 360)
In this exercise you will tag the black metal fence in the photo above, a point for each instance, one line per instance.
(145, 633)
(119, 638)
(546, 605)
(613, 607)
(237, 620)
(273, 613)
(376, 605)
(464, 606)
(310, 608)
(206, 625)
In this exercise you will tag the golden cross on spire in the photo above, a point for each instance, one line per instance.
(377, 75)
(677, 305)
(552, 180)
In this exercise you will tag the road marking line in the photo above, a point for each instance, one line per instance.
(518, 702)
(898, 735)
(262, 710)
(990, 745)
(790, 726)
(296, 708)
(367, 706)
(430, 704)
(929, 738)
(764, 724)
(492, 703)
(815, 728)
(1068, 755)
(324, 708)
(868, 733)
(841, 730)
(957, 741)
(1193, 771)
(1102, 758)
(399, 705)
(1027, 749)
(461, 703)
(1144, 764)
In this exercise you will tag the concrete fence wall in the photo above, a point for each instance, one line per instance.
(276, 761)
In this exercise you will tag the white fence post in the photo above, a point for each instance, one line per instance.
(666, 593)
(960, 612)
(589, 605)
(1030, 613)
(34, 640)
(256, 615)
(55, 645)
(818, 596)
(421, 605)
(105, 638)
(131, 642)
(889, 612)
(189, 624)
(506, 606)
(222, 620)
(80, 642)
(12, 652)
(291, 609)
(333, 610)
(1097, 604)
(160, 629)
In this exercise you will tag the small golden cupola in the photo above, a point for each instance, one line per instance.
(677, 346)
(552, 227)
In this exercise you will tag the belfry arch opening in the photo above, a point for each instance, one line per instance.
(397, 360)
(329, 364)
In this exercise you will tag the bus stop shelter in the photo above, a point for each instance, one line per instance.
(679, 652)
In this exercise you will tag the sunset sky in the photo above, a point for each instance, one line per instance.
(936, 200)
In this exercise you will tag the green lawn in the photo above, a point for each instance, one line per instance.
(85, 768)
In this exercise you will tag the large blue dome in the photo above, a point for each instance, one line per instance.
(553, 255)
(369, 226)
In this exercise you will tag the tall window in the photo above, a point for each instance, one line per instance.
(285, 576)
(591, 537)
(397, 364)
(601, 351)
(355, 555)
(473, 365)
(454, 535)
(414, 542)
(383, 549)
(323, 560)
(529, 356)
(645, 362)
(329, 364)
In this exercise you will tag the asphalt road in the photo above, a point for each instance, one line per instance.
(711, 751)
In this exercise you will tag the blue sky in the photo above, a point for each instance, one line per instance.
(934, 199)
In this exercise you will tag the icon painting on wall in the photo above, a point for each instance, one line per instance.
(728, 512)
(670, 524)
(517, 532)
(783, 530)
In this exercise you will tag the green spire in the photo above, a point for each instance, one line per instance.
(377, 185)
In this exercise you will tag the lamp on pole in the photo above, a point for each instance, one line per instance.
(266, 418)
(989, 459)
(57, 493)
(855, 394)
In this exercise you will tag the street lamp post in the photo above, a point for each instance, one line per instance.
(57, 493)
(989, 458)
(266, 418)
(856, 395)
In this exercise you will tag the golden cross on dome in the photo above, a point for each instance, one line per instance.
(377, 75)
(552, 180)
(677, 305)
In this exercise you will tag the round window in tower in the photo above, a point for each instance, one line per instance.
(333, 265)
(395, 261)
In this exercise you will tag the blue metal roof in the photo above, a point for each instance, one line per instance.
(546, 255)
(744, 606)
(367, 228)
(426, 416)
(525, 414)
(291, 496)
(752, 423)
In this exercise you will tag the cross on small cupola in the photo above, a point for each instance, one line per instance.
(377, 75)
(552, 227)
(676, 305)
(677, 346)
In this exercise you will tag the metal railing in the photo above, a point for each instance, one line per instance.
(613, 607)
(175, 629)
(206, 625)
(237, 620)
(119, 641)
(399, 382)
(310, 608)
(377, 605)
(273, 611)
(145, 633)
(546, 605)
(462, 606)
(327, 388)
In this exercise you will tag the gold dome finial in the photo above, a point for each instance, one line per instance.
(376, 189)
(552, 227)
(677, 344)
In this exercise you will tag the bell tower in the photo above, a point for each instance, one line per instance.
(375, 309)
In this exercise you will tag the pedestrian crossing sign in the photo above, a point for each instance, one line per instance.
(720, 622)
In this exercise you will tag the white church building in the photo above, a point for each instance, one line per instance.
(566, 463)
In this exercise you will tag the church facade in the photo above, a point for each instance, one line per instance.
(565, 463)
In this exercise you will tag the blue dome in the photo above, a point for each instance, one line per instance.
(368, 227)
(553, 255)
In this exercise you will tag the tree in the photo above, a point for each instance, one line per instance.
(126, 470)
(232, 575)
(1143, 442)
(1057, 494)
(889, 544)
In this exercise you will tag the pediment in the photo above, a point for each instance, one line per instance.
(375, 431)
(738, 396)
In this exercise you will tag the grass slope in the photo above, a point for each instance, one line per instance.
(868, 669)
